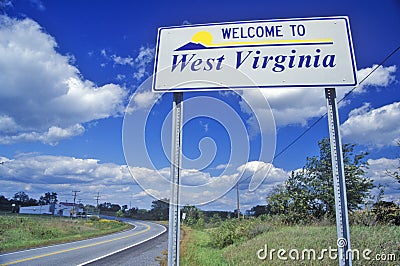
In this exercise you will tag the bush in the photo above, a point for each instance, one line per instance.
(231, 232)
(362, 217)
(387, 213)
(214, 221)
(200, 223)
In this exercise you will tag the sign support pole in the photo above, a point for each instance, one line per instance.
(342, 219)
(176, 163)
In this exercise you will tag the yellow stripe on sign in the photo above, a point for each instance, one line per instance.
(326, 40)
(76, 248)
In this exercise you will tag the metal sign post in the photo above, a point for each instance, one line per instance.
(176, 160)
(342, 219)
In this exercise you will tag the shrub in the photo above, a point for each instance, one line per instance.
(200, 223)
(387, 213)
(231, 232)
(362, 217)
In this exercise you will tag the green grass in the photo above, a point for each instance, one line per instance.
(21, 232)
(379, 239)
(196, 249)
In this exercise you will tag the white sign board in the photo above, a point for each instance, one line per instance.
(303, 52)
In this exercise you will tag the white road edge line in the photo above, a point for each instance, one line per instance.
(63, 244)
(122, 249)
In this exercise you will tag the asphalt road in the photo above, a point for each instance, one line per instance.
(91, 251)
(149, 254)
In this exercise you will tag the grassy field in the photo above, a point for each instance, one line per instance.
(383, 241)
(21, 232)
(196, 249)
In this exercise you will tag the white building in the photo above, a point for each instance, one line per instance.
(65, 209)
(41, 209)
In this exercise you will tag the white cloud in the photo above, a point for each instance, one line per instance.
(261, 171)
(199, 187)
(142, 100)
(38, 5)
(4, 4)
(222, 166)
(38, 174)
(298, 105)
(120, 77)
(291, 106)
(144, 58)
(43, 96)
(276, 176)
(139, 64)
(52, 136)
(376, 127)
(378, 172)
(360, 111)
(382, 77)
(122, 60)
(46, 169)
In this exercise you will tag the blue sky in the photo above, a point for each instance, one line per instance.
(69, 68)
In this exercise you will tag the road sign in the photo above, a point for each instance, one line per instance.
(303, 52)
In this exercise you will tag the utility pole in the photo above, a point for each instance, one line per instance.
(75, 192)
(97, 202)
(97, 199)
(237, 199)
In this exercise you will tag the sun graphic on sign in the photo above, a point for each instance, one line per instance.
(203, 37)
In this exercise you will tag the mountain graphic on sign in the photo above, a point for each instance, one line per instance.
(191, 46)
(200, 40)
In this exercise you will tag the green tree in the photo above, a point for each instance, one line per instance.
(4, 203)
(119, 213)
(309, 194)
(48, 198)
(192, 215)
(215, 220)
(109, 207)
(387, 212)
(21, 197)
(160, 209)
(259, 210)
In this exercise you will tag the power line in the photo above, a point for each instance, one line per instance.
(318, 120)
(324, 115)
(345, 96)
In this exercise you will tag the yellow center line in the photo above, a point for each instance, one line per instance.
(76, 248)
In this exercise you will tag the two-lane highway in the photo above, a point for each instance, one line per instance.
(85, 251)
